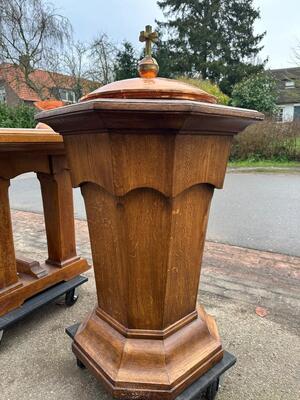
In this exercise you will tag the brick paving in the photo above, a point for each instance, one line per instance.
(35, 354)
(253, 277)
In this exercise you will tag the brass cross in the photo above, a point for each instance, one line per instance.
(149, 37)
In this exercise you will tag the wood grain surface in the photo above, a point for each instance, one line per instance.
(40, 151)
(147, 170)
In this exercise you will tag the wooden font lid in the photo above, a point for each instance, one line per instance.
(148, 86)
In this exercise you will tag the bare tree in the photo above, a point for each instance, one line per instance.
(74, 63)
(31, 33)
(102, 52)
(296, 53)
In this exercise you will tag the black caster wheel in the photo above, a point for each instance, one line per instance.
(71, 298)
(80, 364)
(212, 390)
(1, 336)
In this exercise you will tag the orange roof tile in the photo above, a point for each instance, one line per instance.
(49, 104)
(14, 77)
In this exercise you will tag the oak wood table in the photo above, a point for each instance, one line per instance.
(147, 155)
(40, 151)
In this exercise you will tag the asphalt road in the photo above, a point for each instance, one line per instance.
(259, 211)
(255, 210)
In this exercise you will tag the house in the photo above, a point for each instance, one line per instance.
(15, 90)
(288, 80)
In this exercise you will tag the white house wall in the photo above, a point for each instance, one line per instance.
(287, 112)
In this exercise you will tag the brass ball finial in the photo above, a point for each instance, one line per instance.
(148, 67)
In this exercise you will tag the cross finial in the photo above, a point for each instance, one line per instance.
(149, 37)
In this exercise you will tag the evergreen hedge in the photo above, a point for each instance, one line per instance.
(21, 116)
(208, 87)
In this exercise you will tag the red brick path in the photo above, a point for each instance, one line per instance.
(251, 277)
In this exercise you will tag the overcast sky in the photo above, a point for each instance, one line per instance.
(123, 19)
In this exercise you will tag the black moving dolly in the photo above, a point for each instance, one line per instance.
(39, 300)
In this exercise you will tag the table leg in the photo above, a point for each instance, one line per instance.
(8, 268)
(59, 214)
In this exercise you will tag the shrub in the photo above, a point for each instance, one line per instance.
(258, 92)
(208, 87)
(268, 141)
(21, 116)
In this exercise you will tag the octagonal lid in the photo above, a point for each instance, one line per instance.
(148, 86)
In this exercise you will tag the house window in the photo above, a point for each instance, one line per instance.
(289, 84)
(279, 116)
(67, 95)
(2, 94)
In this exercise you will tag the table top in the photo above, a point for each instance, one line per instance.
(16, 135)
(30, 139)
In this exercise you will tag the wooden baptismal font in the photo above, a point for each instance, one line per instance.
(147, 154)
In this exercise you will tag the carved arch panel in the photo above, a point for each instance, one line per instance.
(147, 250)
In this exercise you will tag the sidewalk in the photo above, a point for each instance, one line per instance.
(37, 362)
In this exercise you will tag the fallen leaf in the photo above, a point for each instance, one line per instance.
(261, 311)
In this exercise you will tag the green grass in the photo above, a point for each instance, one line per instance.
(264, 164)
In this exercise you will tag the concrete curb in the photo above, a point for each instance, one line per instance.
(269, 170)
